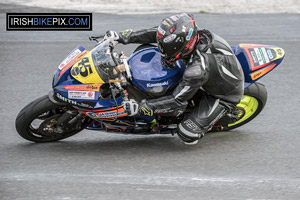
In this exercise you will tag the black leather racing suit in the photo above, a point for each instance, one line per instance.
(211, 68)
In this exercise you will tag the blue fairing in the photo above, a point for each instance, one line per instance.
(241, 56)
(245, 62)
(65, 78)
(149, 75)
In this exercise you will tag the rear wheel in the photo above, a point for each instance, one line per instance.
(251, 104)
(38, 121)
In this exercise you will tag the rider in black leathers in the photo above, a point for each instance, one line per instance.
(210, 66)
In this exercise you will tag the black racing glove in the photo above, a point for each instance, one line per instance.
(125, 36)
(133, 108)
(121, 37)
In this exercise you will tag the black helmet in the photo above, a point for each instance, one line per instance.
(177, 37)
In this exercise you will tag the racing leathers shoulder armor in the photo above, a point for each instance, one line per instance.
(211, 67)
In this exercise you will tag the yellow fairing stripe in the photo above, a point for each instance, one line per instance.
(279, 53)
(85, 72)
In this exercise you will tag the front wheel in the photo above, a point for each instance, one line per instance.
(251, 104)
(38, 121)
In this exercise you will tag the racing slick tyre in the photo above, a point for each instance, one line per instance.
(37, 121)
(252, 103)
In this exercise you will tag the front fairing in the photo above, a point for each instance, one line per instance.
(68, 89)
(78, 78)
(62, 73)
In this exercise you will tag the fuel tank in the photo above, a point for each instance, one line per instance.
(150, 76)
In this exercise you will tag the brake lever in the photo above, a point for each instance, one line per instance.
(95, 38)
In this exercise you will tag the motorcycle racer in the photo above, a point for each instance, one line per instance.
(211, 70)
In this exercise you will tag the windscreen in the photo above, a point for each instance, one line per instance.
(103, 61)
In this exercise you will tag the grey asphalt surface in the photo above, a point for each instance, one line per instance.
(260, 160)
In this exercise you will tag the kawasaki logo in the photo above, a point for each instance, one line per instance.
(157, 84)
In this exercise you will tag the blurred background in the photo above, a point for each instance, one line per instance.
(167, 6)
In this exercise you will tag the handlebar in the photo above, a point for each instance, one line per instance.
(95, 38)
(124, 60)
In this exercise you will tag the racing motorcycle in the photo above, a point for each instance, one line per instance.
(90, 86)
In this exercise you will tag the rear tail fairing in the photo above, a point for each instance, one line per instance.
(150, 76)
(257, 60)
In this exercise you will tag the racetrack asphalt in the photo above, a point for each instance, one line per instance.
(260, 160)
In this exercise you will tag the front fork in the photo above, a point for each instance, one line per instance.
(69, 119)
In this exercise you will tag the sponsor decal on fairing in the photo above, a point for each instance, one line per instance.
(73, 102)
(81, 95)
(69, 58)
(270, 54)
(110, 114)
(254, 57)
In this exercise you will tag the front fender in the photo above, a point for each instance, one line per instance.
(54, 100)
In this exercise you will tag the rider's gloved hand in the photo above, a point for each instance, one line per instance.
(133, 108)
(122, 37)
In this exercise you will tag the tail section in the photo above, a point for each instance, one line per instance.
(257, 60)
